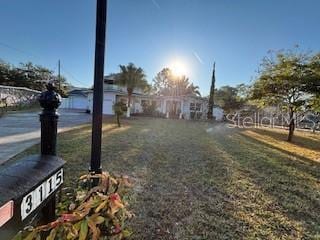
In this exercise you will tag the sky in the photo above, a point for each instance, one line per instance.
(236, 34)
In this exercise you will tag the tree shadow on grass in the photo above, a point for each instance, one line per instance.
(75, 148)
(298, 139)
(292, 184)
(292, 159)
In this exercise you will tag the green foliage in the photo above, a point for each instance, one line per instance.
(119, 108)
(211, 95)
(168, 84)
(150, 109)
(288, 79)
(131, 77)
(314, 104)
(30, 76)
(230, 98)
(96, 213)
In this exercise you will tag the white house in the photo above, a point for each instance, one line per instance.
(114, 93)
(187, 107)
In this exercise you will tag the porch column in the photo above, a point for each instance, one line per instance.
(164, 110)
(181, 109)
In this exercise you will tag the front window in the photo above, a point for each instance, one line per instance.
(198, 107)
(144, 102)
(192, 107)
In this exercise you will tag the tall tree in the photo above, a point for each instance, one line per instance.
(229, 98)
(211, 96)
(288, 79)
(167, 84)
(131, 77)
(161, 83)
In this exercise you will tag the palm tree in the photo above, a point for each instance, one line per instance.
(183, 86)
(131, 77)
(193, 90)
(166, 83)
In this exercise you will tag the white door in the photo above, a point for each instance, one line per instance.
(107, 106)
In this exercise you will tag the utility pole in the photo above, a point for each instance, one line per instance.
(59, 79)
(101, 18)
(211, 97)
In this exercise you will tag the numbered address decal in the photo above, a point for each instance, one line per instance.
(33, 199)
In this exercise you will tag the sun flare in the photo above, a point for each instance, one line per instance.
(178, 68)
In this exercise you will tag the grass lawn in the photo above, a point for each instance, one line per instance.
(196, 180)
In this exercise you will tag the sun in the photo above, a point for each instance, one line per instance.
(178, 68)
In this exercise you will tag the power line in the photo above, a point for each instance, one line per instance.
(35, 56)
(18, 50)
(73, 77)
(25, 53)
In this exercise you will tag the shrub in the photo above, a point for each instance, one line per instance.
(96, 213)
(119, 108)
(149, 109)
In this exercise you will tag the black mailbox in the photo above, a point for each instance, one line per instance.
(28, 186)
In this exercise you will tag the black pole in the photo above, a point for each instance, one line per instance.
(95, 165)
(49, 101)
(59, 79)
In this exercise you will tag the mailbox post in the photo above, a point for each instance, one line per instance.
(49, 101)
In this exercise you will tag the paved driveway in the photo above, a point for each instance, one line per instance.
(19, 131)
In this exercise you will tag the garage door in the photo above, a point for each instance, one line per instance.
(107, 106)
(79, 103)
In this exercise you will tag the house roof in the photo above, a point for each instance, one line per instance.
(110, 78)
(79, 92)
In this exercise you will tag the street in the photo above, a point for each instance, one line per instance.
(21, 130)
